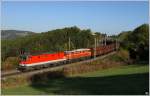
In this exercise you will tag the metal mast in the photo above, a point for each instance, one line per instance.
(105, 40)
(95, 49)
(69, 43)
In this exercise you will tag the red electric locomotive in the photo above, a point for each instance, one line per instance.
(42, 60)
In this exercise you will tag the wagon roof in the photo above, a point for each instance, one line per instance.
(82, 49)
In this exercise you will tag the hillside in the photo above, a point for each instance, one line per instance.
(12, 34)
(137, 42)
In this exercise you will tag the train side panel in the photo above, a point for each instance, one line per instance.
(103, 49)
(78, 54)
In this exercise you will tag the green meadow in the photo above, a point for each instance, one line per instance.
(129, 79)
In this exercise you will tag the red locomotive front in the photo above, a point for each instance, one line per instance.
(42, 59)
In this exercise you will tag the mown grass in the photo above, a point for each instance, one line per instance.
(131, 79)
(122, 70)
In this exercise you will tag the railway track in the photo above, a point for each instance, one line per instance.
(14, 73)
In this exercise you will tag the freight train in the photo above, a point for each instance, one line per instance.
(32, 62)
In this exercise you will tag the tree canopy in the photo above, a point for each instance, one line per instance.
(136, 41)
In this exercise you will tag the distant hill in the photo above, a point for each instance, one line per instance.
(12, 34)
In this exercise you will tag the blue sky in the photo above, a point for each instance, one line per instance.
(99, 16)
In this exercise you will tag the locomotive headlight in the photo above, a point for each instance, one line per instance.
(22, 64)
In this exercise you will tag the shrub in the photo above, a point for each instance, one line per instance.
(14, 81)
(124, 55)
(89, 67)
(10, 63)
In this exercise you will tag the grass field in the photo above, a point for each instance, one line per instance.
(131, 79)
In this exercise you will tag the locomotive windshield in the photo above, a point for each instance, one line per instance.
(24, 53)
(23, 57)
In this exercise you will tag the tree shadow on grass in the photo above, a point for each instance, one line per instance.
(111, 85)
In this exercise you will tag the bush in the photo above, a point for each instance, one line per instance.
(10, 63)
(124, 55)
(89, 67)
(42, 78)
(14, 81)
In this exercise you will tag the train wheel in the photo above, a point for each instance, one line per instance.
(45, 66)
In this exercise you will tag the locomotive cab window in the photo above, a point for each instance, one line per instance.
(23, 57)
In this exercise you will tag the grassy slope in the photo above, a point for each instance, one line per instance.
(122, 70)
(131, 79)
